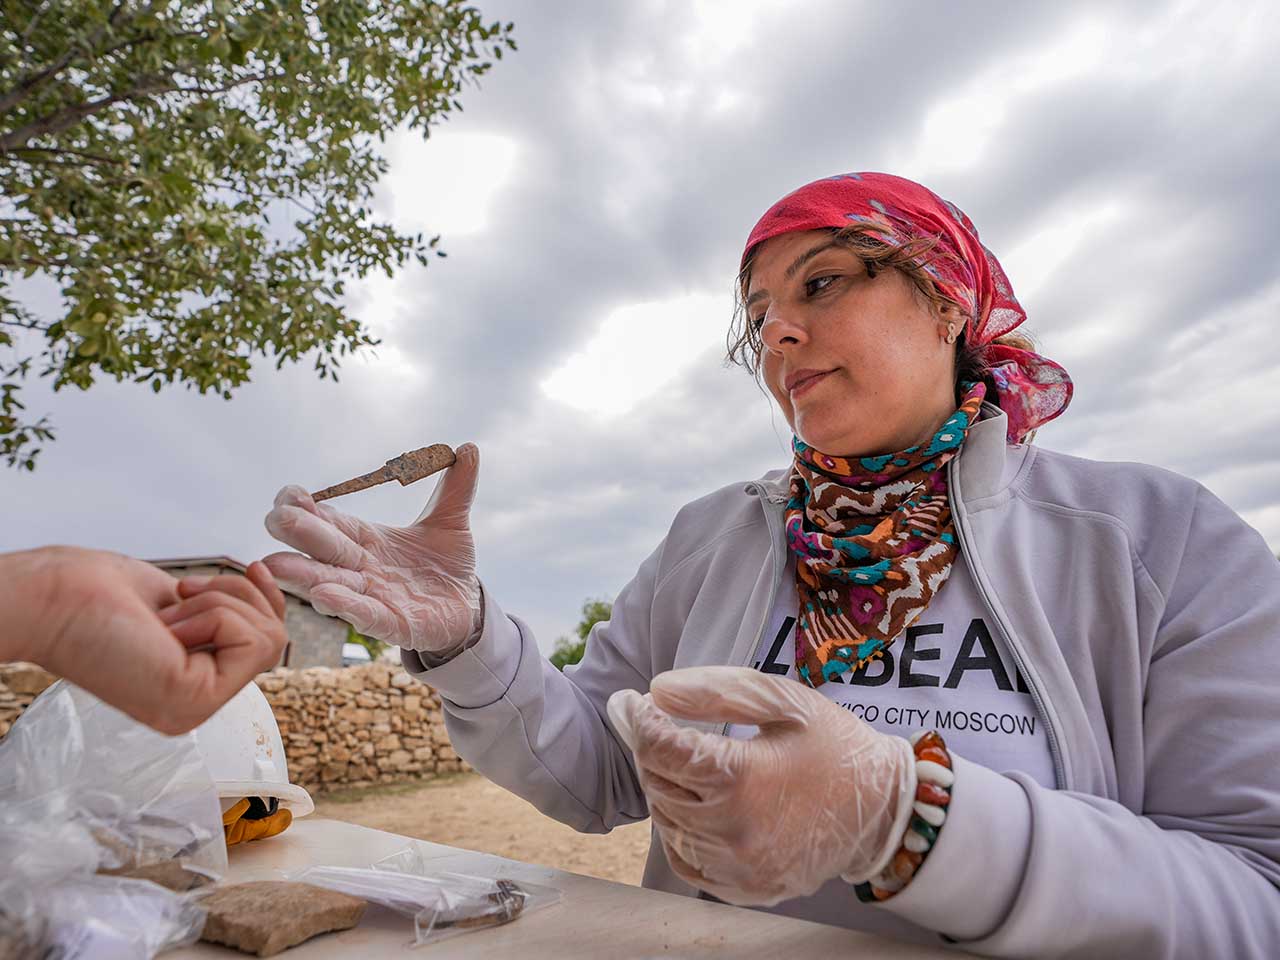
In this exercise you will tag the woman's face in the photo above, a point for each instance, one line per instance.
(859, 365)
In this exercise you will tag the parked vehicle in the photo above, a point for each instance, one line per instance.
(354, 654)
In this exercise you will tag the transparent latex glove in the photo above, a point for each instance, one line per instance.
(413, 586)
(814, 795)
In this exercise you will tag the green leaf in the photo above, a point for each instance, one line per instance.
(163, 249)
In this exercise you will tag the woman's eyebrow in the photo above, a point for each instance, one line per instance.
(796, 264)
(808, 255)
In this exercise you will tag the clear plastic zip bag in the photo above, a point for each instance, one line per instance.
(87, 792)
(441, 904)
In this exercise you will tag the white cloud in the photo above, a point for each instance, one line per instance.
(1058, 234)
(638, 350)
(702, 71)
(959, 129)
(720, 28)
(380, 302)
(447, 184)
(1266, 520)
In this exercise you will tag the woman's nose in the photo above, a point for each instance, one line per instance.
(779, 330)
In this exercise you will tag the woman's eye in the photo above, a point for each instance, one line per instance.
(818, 284)
(757, 322)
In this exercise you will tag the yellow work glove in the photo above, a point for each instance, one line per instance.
(816, 794)
(238, 829)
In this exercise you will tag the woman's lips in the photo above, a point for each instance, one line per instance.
(807, 384)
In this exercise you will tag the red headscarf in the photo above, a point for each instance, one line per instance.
(1030, 389)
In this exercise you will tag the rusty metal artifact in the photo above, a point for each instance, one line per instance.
(406, 468)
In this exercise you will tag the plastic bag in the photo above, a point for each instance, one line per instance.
(108, 918)
(84, 788)
(441, 904)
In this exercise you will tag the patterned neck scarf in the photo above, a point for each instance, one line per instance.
(874, 540)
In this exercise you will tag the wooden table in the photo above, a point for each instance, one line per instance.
(595, 918)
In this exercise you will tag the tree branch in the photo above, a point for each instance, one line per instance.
(27, 84)
(25, 324)
(56, 123)
(33, 23)
(19, 262)
(147, 38)
(240, 82)
(58, 151)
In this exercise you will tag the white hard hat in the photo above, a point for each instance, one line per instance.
(242, 748)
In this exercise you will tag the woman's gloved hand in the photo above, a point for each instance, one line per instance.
(815, 795)
(413, 586)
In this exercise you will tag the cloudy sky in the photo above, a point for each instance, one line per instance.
(1119, 158)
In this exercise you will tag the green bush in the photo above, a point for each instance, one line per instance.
(567, 649)
(375, 647)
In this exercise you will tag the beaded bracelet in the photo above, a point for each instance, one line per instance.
(933, 793)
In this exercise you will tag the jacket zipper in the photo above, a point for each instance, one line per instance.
(774, 555)
(1019, 661)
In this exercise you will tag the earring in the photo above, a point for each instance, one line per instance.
(951, 333)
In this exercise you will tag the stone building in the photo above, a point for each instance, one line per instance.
(315, 640)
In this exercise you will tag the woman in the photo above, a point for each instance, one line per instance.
(1093, 643)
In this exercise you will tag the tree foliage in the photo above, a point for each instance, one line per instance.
(372, 644)
(196, 177)
(568, 650)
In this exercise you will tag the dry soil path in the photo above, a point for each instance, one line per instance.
(471, 812)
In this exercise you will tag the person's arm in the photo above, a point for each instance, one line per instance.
(1059, 874)
(167, 652)
(538, 732)
(541, 733)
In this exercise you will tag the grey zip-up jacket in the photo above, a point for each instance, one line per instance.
(1145, 617)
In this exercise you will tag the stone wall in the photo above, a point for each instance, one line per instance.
(354, 726)
(358, 726)
(20, 683)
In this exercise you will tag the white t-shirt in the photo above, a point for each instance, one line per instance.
(950, 672)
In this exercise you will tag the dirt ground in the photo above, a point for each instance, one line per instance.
(468, 811)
